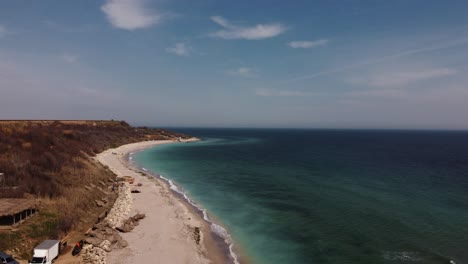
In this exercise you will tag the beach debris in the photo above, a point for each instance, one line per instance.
(129, 179)
(197, 235)
(135, 191)
(130, 223)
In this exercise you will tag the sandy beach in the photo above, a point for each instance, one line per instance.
(171, 232)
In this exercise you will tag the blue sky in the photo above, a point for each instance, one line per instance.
(324, 64)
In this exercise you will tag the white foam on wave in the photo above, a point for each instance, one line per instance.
(162, 177)
(175, 188)
(171, 184)
(144, 169)
(223, 233)
(217, 229)
(205, 215)
(402, 256)
(220, 231)
(233, 255)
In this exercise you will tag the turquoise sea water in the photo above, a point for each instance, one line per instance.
(328, 196)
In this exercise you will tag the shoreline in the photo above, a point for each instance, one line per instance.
(217, 234)
(176, 230)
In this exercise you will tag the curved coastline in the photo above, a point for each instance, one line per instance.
(221, 235)
(217, 245)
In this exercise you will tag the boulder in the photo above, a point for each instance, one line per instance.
(99, 203)
(93, 241)
(130, 223)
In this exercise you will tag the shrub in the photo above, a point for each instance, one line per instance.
(50, 159)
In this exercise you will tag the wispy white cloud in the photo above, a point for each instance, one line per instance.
(179, 49)
(221, 21)
(130, 14)
(308, 44)
(446, 45)
(3, 31)
(53, 25)
(69, 58)
(382, 93)
(282, 93)
(402, 78)
(257, 32)
(242, 71)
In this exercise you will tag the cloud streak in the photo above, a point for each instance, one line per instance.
(257, 32)
(264, 92)
(373, 61)
(398, 79)
(381, 93)
(308, 44)
(179, 49)
(242, 71)
(130, 14)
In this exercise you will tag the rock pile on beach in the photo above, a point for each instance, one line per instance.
(104, 237)
(104, 232)
(130, 223)
(92, 254)
(122, 206)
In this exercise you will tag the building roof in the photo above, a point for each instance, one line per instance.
(11, 206)
(47, 244)
(4, 255)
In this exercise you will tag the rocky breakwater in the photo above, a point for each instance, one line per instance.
(104, 237)
(122, 206)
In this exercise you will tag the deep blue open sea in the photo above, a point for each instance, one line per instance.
(328, 196)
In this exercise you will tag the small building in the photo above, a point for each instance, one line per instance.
(13, 211)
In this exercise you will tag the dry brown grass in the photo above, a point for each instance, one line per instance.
(51, 161)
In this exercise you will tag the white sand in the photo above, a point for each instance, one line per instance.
(166, 234)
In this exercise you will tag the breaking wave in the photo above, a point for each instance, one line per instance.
(215, 228)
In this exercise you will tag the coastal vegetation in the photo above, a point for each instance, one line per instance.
(51, 162)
